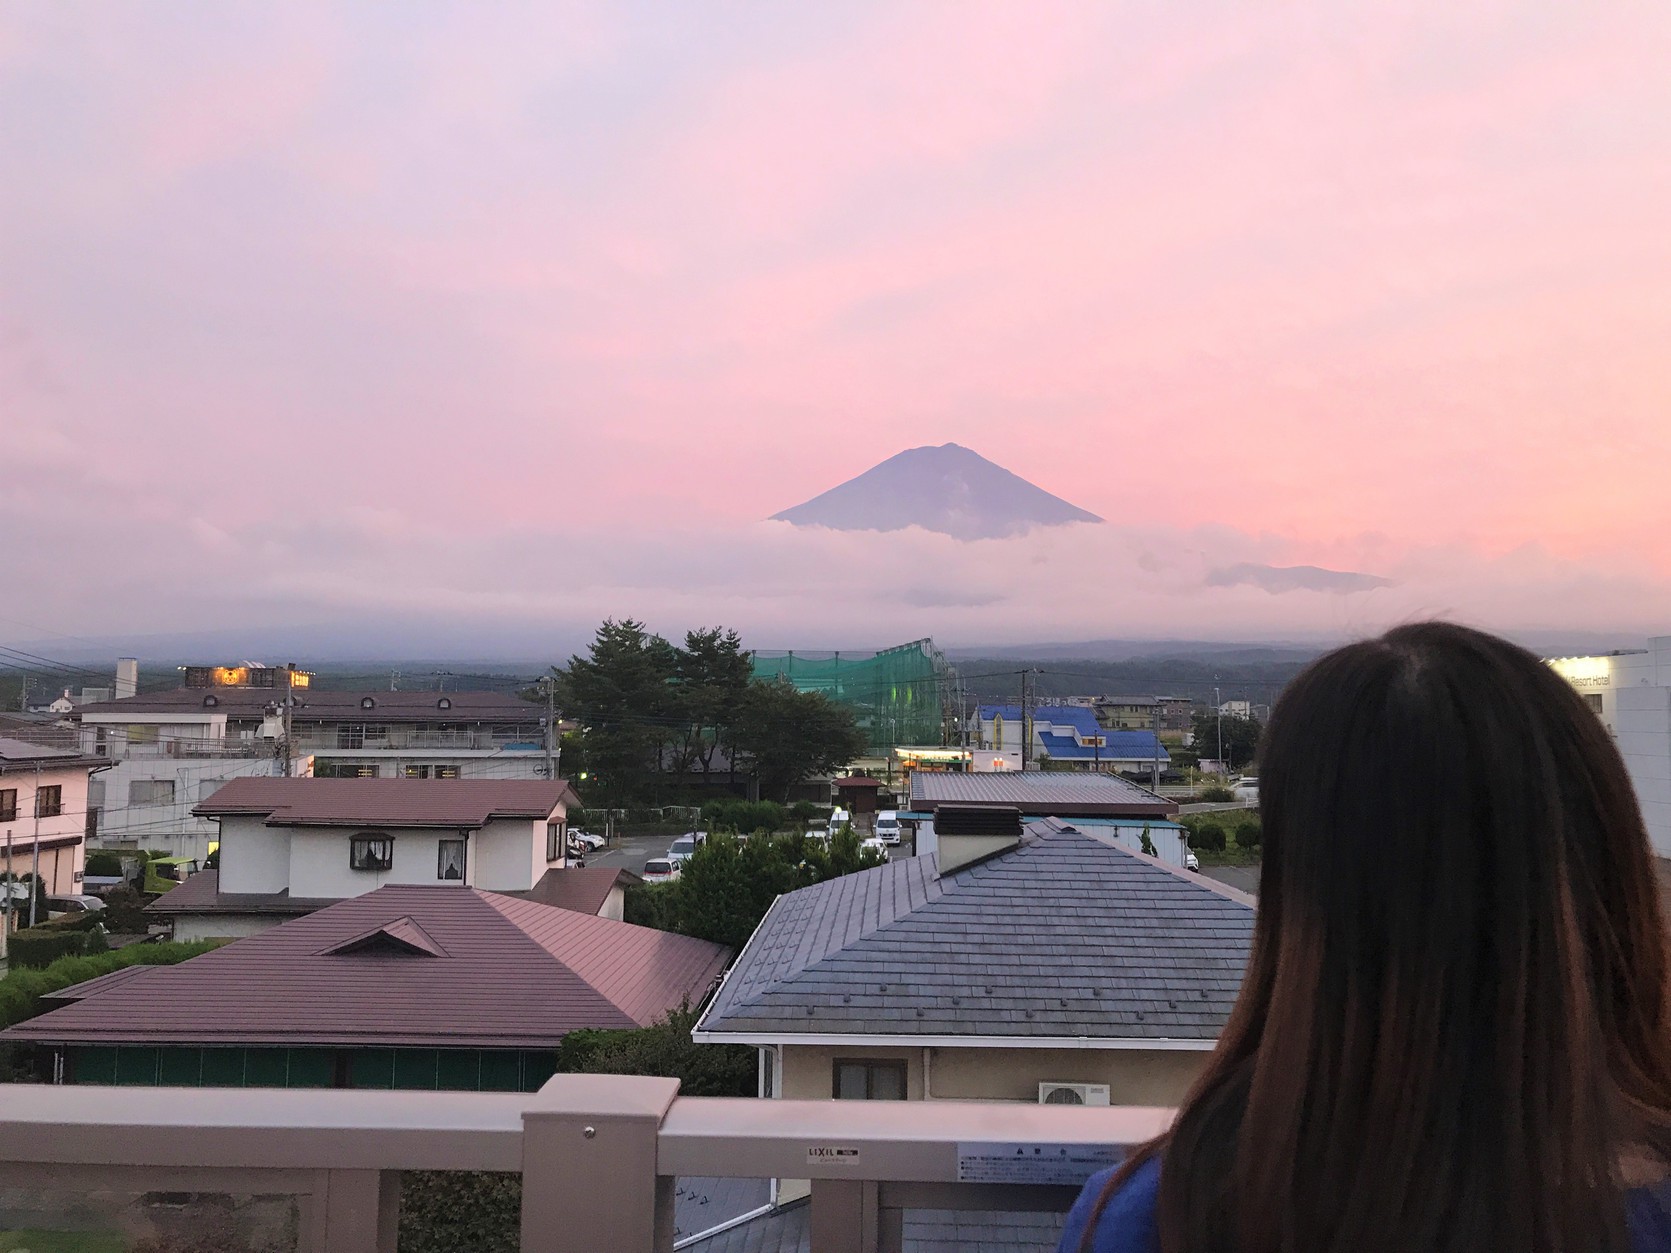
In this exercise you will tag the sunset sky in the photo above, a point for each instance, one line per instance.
(515, 315)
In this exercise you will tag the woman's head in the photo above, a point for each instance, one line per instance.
(1455, 1018)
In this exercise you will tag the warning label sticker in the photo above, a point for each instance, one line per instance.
(1032, 1163)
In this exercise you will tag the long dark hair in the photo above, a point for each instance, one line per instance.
(1454, 1032)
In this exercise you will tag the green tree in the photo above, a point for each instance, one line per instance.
(664, 1049)
(784, 736)
(1241, 736)
(713, 672)
(1148, 844)
(622, 695)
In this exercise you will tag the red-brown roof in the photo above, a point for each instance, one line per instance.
(388, 802)
(583, 888)
(858, 780)
(318, 705)
(508, 974)
(201, 894)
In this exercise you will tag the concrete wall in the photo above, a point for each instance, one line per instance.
(615, 906)
(171, 825)
(509, 854)
(223, 926)
(254, 857)
(1134, 1076)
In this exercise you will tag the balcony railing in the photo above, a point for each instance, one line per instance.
(598, 1154)
(304, 742)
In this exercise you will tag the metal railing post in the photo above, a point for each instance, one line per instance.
(355, 1211)
(589, 1178)
(845, 1216)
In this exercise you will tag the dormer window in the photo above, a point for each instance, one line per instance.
(443, 703)
(209, 702)
(367, 702)
(371, 852)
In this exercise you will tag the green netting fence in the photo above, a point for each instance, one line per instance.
(899, 695)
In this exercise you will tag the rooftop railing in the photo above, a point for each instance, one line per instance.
(598, 1155)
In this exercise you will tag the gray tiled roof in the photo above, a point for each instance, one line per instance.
(1037, 792)
(785, 1230)
(701, 1204)
(1065, 936)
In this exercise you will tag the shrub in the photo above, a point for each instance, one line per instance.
(663, 1049)
(38, 947)
(442, 1211)
(1217, 794)
(1148, 844)
(104, 865)
(652, 905)
(124, 912)
(1208, 836)
(744, 817)
(1248, 835)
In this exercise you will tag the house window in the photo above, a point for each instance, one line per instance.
(1594, 701)
(351, 735)
(150, 791)
(553, 840)
(371, 852)
(869, 1081)
(344, 770)
(8, 804)
(49, 801)
(140, 734)
(449, 859)
(431, 772)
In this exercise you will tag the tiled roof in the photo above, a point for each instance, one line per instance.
(701, 1204)
(22, 754)
(462, 803)
(514, 974)
(1039, 792)
(1065, 936)
(582, 888)
(1078, 717)
(314, 705)
(201, 894)
(1116, 746)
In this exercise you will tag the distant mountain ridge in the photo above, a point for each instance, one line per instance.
(946, 488)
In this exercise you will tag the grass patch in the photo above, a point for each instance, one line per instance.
(31, 1241)
(1233, 855)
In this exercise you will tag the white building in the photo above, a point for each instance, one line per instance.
(170, 750)
(1631, 694)
(291, 846)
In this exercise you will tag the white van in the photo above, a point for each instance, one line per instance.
(1246, 789)
(839, 819)
(887, 826)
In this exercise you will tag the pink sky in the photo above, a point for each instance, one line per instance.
(533, 312)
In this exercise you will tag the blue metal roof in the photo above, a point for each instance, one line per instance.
(1078, 717)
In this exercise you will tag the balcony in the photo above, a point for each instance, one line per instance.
(598, 1155)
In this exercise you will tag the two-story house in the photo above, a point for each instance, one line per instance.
(169, 750)
(43, 812)
(293, 846)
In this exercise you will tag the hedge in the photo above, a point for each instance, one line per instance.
(21, 990)
(36, 948)
(1207, 836)
(1248, 835)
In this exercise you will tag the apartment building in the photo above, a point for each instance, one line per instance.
(167, 751)
(43, 812)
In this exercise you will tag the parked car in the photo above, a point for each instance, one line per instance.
(1247, 789)
(839, 819)
(876, 844)
(887, 826)
(73, 904)
(587, 838)
(660, 870)
(1192, 862)
(684, 848)
(818, 829)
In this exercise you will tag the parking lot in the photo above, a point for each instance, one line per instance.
(632, 851)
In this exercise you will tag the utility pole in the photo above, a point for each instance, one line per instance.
(1218, 706)
(1026, 717)
(5, 936)
(35, 886)
(553, 742)
(1155, 760)
(284, 733)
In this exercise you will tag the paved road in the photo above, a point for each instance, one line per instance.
(631, 852)
(1242, 878)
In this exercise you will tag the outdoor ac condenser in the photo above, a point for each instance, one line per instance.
(1073, 1094)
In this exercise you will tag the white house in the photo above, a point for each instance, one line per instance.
(1631, 693)
(291, 846)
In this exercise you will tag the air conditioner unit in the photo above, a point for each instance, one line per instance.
(1073, 1094)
